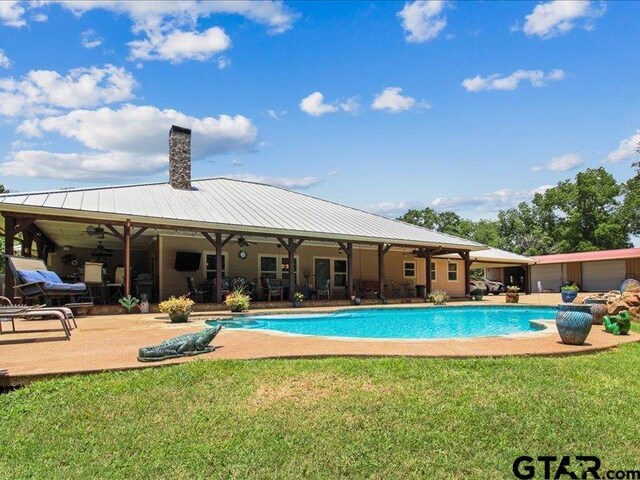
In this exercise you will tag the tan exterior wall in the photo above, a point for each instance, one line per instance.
(574, 272)
(365, 265)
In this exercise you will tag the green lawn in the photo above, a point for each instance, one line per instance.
(330, 418)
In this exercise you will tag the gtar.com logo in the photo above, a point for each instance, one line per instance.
(580, 467)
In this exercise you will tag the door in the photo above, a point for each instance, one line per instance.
(603, 276)
(322, 268)
(549, 275)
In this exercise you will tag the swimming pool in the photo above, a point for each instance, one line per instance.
(403, 323)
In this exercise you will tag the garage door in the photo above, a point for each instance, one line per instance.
(549, 275)
(603, 276)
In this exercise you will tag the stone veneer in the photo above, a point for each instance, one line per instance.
(180, 158)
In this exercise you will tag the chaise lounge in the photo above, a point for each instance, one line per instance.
(35, 282)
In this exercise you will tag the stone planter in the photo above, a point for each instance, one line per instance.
(568, 296)
(181, 317)
(573, 323)
(598, 309)
(478, 297)
(512, 297)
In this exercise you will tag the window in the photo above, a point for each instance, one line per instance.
(339, 273)
(269, 267)
(409, 269)
(433, 271)
(210, 265)
(284, 268)
(453, 272)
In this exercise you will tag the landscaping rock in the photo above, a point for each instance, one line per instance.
(616, 307)
(632, 299)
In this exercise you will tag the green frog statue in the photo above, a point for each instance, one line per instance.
(619, 324)
(181, 346)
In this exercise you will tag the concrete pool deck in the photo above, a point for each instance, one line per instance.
(38, 349)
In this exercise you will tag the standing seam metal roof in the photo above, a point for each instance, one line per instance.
(233, 203)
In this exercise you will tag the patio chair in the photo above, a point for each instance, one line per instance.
(34, 281)
(324, 290)
(272, 290)
(94, 280)
(194, 291)
(117, 284)
(8, 311)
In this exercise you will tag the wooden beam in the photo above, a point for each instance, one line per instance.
(138, 233)
(22, 226)
(27, 243)
(381, 252)
(227, 240)
(127, 258)
(209, 238)
(427, 259)
(218, 244)
(467, 272)
(291, 248)
(349, 252)
(9, 282)
(115, 232)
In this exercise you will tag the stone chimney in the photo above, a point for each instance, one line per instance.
(180, 158)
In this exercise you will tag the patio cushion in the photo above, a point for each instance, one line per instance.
(65, 287)
(50, 276)
(31, 276)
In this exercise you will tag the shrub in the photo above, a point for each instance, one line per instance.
(298, 297)
(237, 301)
(177, 306)
(570, 288)
(513, 289)
(129, 302)
(439, 297)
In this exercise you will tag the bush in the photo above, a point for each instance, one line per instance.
(298, 297)
(439, 297)
(237, 301)
(570, 288)
(177, 306)
(513, 289)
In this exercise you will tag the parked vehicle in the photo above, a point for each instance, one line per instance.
(491, 286)
(477, 284)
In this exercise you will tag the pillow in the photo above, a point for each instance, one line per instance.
(50, 276)
(29, 276)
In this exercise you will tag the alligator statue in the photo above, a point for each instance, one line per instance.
(182, 346)
(619, 324)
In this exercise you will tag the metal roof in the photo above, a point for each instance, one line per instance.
(620, 254)
(228, 205)
(496, 256)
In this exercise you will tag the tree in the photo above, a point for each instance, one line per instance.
(630, 211)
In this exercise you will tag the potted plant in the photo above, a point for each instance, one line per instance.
(178, 309)
(569, 292)
(129, 302)
(477, 294)
(512, 294)
(298, 298)
(439, 297)
(237, 301)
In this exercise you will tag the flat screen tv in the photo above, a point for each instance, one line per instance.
(187, 261)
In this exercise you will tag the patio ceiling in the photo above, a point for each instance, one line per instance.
(75, 235)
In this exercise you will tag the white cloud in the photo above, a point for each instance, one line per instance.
(315, 105)
(332, 173)
(276, 115)
(4, 60)
(555, 18)
(537, 78)
(223, 62)
(47, 91)
(422, 20)
(90, 39)
(392, 100)
(237, 163)
(492, 201)
(627, 149)
(394, 209)
(40, 17)
(130, 140)
(11, 13)
(563, 163)
(177, 46)
(292, 183)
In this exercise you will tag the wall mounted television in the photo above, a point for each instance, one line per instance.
(187, 261)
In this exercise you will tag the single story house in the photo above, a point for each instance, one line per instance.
(214, 228)
(599, 271)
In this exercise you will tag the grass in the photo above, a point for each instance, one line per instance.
(330, 418)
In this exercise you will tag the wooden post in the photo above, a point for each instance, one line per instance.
(467, 272)
(427, 259)
(9, 282)
(291, 248)
(527, 279)
(127, 258)
(349, 252)
(218, 245)
(27, 243)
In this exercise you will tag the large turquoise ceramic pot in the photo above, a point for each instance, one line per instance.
(573, 323)
(568, 296)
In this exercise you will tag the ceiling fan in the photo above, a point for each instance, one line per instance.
(97, 232)
(243, 242)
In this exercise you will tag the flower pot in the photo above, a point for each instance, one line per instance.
(237, 309)
(573, 323)
(568, 296)
(478, 297)
(180, 317)
(357, 301)
(512, 297)
(297, 304)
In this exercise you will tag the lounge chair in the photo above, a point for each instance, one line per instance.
(34, 281)
(8, 311)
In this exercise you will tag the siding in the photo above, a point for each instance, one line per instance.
(633, 268)
(574, 272)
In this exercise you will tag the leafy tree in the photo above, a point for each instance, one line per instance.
(631, 208)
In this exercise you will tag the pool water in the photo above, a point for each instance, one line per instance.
(403, 323)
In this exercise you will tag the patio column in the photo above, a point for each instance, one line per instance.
(27, 244)
(427, 280)
(218, 243)
(9, 227)
(347, 248)
(467, 272)
(382, 250)
(527, 277)
(291, 246)
(127, 258)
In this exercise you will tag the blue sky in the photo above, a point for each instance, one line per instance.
(383, 106)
